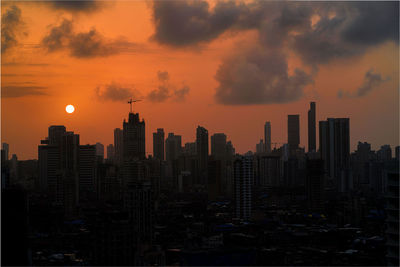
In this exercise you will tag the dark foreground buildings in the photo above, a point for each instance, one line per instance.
(200, 203)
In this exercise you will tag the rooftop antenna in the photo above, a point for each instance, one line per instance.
(132, 101)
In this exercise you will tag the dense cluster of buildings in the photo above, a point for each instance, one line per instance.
(187, 205)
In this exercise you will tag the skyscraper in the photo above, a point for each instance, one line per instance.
(134, 145)
(243, 182)
(118, 146)
(173, 147)
(293, 131)
(100, 150)
(311, 128)
(334, 136)
(267, 136)
(202, 153)
(158, 144)
(6, 149)
(110, 152)
(260, 147)
(218, 146)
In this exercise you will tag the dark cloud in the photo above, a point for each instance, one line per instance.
(76, 5)
(163, 76)
(371, 81)
(180, 94)
(11, 23)
(160, 94)
(258, 76)
(374, 23)
(343, 29)
(19, 91)
(115, 92)
(166, 91)
(84, 44)
(182, 23)
(58, 37)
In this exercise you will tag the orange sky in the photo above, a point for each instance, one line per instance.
(374, 118)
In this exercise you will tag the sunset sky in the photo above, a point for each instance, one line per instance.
(227, 66)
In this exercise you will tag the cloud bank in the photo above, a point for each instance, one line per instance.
(11, 23)
(89, 44)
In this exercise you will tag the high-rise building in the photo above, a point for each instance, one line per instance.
(385, 153)
(158, 144)
(190, 149)
(392, 214)
(110, 152)
(134, 144)
(314, 184)
(218, 146)
(100, 150)
(293, 132)
(173, 147)
(260, 147)
(397, 152)
(202, 154)
(6, 149)
(267, 136)
(334, 136)
(243, 182)
(311, 128)
(118, 146)
(87, 167)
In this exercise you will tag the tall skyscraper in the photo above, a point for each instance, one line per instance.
(173, 147)
(100, 150)
(87, 175)
(267, 136)
(158, 144)
(110, 152)
(6, 149)
(134, 144)
(260, 147)
(243, 182)
(311, 128)
(334, 136)
(218, 146)
(293, 131)
(118, 146)
(202, 153)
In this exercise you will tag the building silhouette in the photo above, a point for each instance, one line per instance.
(311, 128)
(267, 136)
(100, 150)
(218, 146)
(110, 152)
(202, 154)
(243, 177)
(118, 146)
(158, 144)
(134, 137)
(293, 132)
(6, 148)
(260, 147)
(173, 147)
(334, 136)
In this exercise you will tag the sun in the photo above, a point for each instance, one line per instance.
(69, 108)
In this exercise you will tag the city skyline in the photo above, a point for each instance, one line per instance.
(41, 73)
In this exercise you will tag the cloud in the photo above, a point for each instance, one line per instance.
(166, 91)
(76, 5)
(371, 81)
(258, 76)
(183, 23)
(318, 32)
(58, 37)
(84, 44)
(163, 76)
(11, 23)
(19, 91)
(115, 92)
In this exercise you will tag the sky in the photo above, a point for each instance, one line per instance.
(228, 66)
